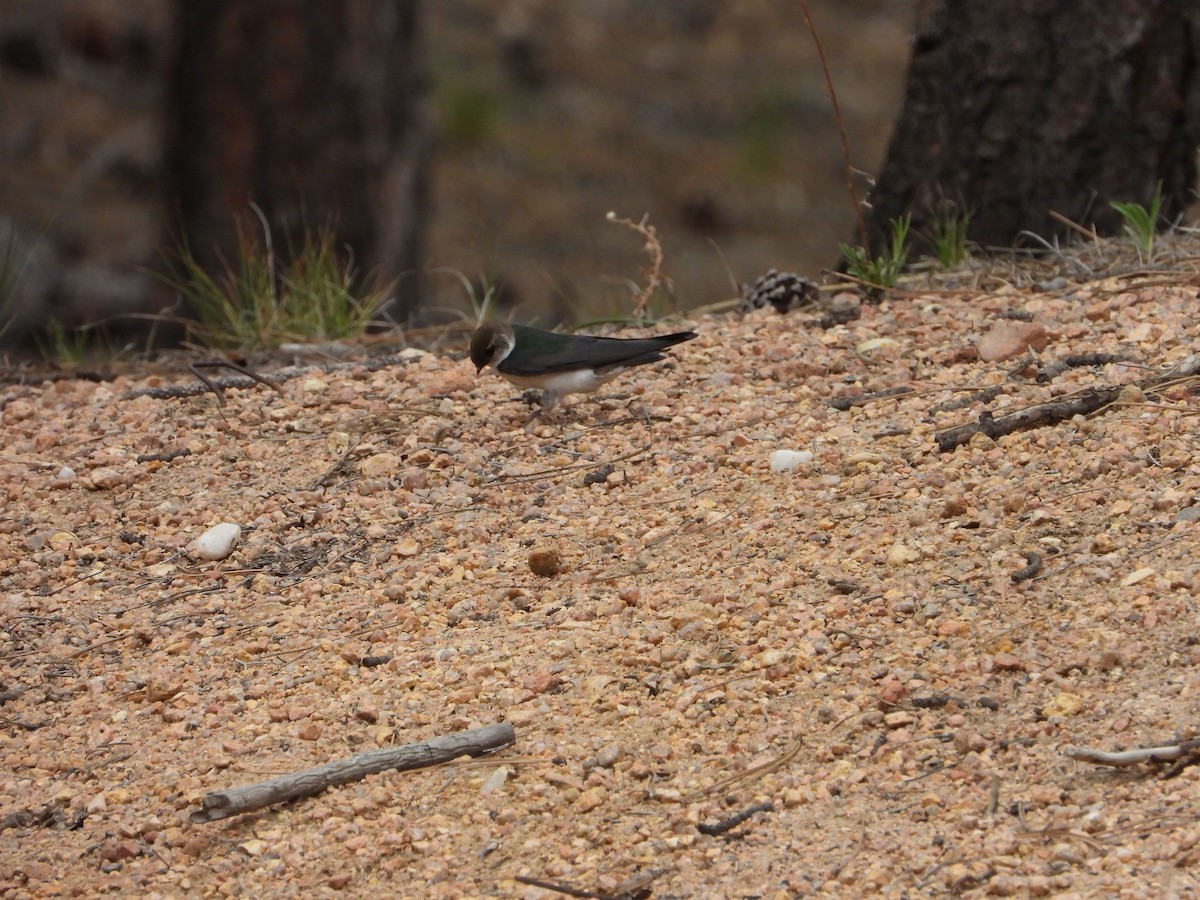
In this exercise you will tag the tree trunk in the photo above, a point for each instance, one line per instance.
(1017, 109)
(311, 111)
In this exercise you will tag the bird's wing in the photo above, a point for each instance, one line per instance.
(544, 352)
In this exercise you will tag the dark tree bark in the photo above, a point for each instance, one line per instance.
(1016, 109)
(312, 111)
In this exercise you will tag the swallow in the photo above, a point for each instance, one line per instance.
(558, 364)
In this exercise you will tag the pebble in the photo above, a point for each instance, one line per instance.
(380, 465)
(1009, 339)
(786, 460)
(902, 555)
(545, 561)
(1065, 704)
(216, 543)
(104, 479)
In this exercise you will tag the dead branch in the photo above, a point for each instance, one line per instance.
(1030, 417)
(1133, 757)
(1080, 404)
(308, 783)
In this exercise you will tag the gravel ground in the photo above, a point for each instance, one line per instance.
(844, 641)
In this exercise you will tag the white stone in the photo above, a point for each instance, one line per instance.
(216, 543)
(786, 460)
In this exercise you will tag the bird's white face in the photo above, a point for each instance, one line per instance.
(489, 347)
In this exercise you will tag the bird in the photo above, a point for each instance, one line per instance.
(559, 364)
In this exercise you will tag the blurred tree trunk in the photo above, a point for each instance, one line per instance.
(312, 111)
(1015, 109)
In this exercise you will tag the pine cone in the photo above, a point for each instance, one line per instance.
(783, 290)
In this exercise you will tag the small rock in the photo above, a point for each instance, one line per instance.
(463, 609)
(1009, 339)
(901, 555)
(545, 561)
(891, 691)
(1191, 514)
(786, 460)
(104, 479)
(901, 718)
(955, 506)
(114, 851)
(216, 543)
(1007, 662)
(590, 799)
(1137, 577)
(254, 847)
(380, 465)
(1064, 704)
(415, 479)
(339, 881)
(495, 781)
(18, 411)
(608, 756)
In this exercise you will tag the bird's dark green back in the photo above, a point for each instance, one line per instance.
(540, 352)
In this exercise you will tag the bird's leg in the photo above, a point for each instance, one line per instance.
(639, 413)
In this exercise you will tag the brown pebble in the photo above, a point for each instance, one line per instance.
(545, 561)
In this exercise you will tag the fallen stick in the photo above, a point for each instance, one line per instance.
(475, 742)
(1133, 757)
(1080, 404)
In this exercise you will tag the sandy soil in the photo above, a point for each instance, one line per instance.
(844, 640)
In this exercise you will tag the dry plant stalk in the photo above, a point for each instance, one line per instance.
(654, 276)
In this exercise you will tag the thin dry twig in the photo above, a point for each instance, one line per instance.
(864, 238)
(753, 772)
(654, 276)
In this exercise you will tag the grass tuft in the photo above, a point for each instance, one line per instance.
(948, 235)
(1141, 224)
(259, 303)
(881, 271)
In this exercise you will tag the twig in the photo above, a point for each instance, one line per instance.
(1034, 566)
(560, 888)
(178, 391)
(993, 796)
(717, 828)
(654, 276)
(216, 387)
(563, 470)
(1081, 403)
(475, 742)
(864, 237)
(1133, 757)
(846, 402)
(769, 766)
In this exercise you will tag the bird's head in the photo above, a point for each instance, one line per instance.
(491, 342)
